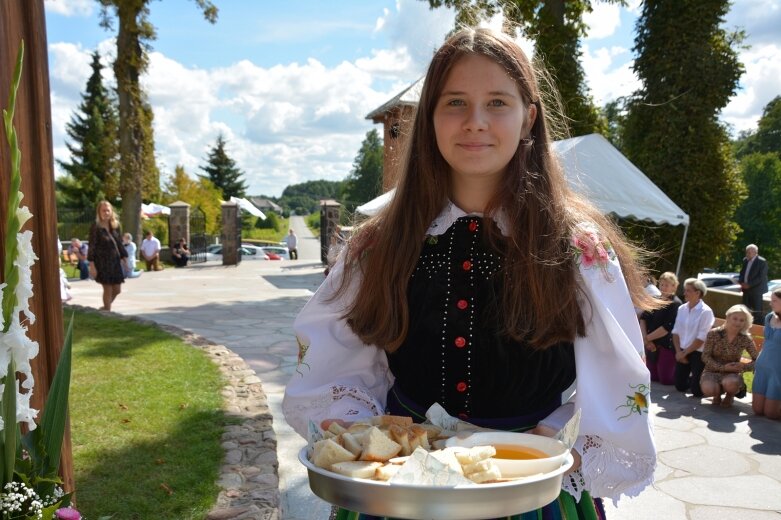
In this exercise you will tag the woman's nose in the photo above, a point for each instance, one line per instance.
(475, 119)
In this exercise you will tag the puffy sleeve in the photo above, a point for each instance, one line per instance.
(613, 384)
(338, 376)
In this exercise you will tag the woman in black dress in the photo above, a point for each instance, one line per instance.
(105, 255)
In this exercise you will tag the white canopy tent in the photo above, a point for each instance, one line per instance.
(152, 209)
(598, 171)
(249, 207)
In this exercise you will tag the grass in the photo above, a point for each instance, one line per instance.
(146, 422)
(267, 235)
(313, 223)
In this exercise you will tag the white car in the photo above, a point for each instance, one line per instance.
(247, 253)
(282, 252)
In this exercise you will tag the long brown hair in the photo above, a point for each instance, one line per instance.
(541, 299)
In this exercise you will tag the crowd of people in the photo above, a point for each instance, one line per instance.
(684, 349)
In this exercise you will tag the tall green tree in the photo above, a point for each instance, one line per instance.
(556, 26)
(136, 142)
(689, 68)
(200, 193)
(93, 171)
(306, 196)
(365, 180)
(767, 137)
(222, 171)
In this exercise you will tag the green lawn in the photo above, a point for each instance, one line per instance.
(146, 422)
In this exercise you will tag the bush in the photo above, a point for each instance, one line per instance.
(271, 222)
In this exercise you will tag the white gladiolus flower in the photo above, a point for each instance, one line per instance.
(23, 214)
(24, 262)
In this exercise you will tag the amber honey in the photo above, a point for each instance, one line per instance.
(512, 452)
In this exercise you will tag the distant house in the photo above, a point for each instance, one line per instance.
(265, 205)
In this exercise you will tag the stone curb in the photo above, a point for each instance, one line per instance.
(249, 478)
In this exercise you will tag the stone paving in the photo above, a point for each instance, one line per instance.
(713, 462)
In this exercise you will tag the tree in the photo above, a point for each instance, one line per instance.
(767, 137)
(222, 171)
(199, 193)
(556, 27)
(306, 196)
(689, 69)
(93, 171)
(365, 180)
(136, 143)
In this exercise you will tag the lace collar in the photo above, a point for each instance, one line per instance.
(450, 213)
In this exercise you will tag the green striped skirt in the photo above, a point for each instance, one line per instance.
(563, 508)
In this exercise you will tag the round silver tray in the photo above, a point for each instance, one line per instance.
(470, 502)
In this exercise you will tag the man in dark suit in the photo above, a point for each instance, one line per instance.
(753, 281)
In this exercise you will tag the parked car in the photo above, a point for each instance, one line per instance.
(280, 252)
(214, 252)
(718, 280)
(772, 285)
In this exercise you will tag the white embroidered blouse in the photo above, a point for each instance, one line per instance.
(341, 377)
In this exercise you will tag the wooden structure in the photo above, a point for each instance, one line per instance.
(25, 20)
(396, 117)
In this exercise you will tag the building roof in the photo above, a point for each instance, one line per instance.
(409, 96)
(266, 204)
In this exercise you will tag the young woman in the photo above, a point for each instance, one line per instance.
(483, 285)
(657, 326)
(766, 388)
(721, 355)
(107, 257)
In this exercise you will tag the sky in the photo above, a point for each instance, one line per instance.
(289, 82)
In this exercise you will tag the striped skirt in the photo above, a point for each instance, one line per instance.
(563, 508)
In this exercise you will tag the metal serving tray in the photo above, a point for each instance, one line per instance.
(470, 502)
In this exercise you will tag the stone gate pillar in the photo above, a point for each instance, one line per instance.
(178, 223)
(329, 222)
(231, 233)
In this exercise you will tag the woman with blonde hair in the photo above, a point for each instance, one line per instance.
(657, 326)
(107, 257)
(722, 352)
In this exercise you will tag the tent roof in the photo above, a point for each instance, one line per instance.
(408, 96)
(598, 171)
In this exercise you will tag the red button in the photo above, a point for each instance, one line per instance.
(461, 387)
(467, 265)
(463, 416)
(473, 226)
(462, 304)
(460, 342)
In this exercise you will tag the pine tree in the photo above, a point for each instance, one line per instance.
(222, 171)
(365, 181)
(93, 172)
(689, 69)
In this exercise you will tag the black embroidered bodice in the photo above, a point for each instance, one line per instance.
(454, 353)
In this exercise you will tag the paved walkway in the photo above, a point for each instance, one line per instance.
(713, 463)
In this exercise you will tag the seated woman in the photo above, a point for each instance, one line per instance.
(766, 391)
(723, 349)
(180, 253)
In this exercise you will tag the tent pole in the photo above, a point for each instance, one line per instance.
(680, 255)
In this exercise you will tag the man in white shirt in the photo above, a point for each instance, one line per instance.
(692, 324)
(150, 250)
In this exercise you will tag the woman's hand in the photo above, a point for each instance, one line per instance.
(650, 346)
(736, 367)
(547, 431)
(93, 272)
(680, 357)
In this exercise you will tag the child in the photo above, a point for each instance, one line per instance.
(483, 285)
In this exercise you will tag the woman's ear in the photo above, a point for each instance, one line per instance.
(532, 116)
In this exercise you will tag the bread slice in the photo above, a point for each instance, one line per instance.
(387, 471)
(475, 454)
(401, 436)
(336, 428)
(351, 444)
(327, 452)
(377, 447)
(418, 436)
(477, 467)
(356, 468)
(489, 475)
(448, 458)
(387, 420)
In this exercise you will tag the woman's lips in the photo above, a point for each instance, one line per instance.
(474, 146)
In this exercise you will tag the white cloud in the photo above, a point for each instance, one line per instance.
(603, 20)
(609, 73)
(759, 85)
(70, 7)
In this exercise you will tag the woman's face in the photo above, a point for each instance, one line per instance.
(667, 287)
(775, 303)
(105, 212)
(691, 294)
(736, 322)
(479, 121)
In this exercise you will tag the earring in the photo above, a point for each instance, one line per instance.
(527, 141)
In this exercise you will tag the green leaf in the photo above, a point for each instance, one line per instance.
(9, 423)
(55, 412)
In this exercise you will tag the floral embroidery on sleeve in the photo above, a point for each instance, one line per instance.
(591, 250)
(302, 348)
(637, 403)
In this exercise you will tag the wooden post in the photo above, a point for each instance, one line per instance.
(25, 20)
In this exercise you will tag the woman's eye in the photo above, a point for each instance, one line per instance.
(455, 103)
(496, 103)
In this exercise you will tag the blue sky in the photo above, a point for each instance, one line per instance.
(289, 82)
